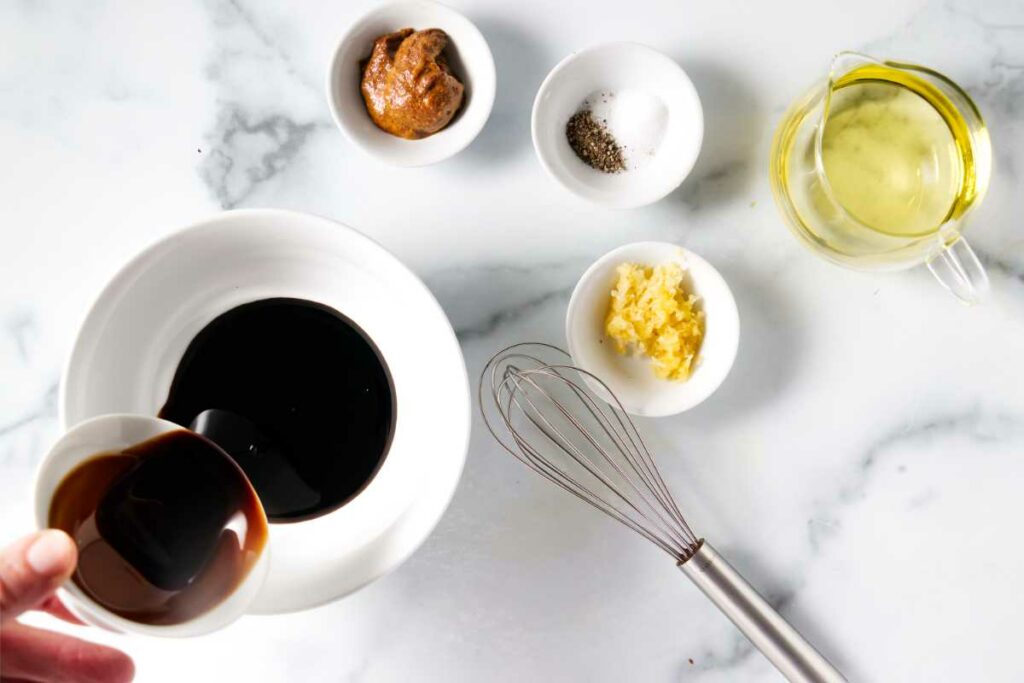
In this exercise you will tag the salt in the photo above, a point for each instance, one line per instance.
(635, 118)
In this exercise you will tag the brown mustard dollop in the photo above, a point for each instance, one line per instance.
(407, 86)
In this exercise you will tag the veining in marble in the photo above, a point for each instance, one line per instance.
(861, 465)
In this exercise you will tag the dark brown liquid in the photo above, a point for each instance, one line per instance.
(297, 394)
(166, 529)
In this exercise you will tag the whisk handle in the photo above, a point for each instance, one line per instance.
(794, 657)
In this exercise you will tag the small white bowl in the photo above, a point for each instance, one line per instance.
(667, 101)
(108, 433)
(468, 55)
(631, 377)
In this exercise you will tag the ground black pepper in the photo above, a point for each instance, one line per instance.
(593, 144)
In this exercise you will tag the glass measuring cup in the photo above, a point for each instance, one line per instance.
(878, 167)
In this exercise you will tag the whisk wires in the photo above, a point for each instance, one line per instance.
(544, 411)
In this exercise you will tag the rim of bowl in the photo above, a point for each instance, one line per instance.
(220, 615)
(585, 280)
(610, 200)
(490, 78)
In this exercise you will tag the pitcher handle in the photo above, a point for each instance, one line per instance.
(958, 269)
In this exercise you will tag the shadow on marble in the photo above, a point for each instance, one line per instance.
(769, 353)
(734, 126)
(521, 68)
(742, 661)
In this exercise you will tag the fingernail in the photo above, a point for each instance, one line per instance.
(50, 553)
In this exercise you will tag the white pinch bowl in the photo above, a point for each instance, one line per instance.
(619, 67)
(108, 433)
(469, 57)
(630, 377)
(133, 338)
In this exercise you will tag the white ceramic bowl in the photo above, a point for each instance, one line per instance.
(111, 433)
(470, 59)
(630, 377)
(628, 70)
(133, 338)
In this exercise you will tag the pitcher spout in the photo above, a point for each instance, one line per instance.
(846, 62)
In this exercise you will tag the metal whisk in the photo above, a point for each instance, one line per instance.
(567, 425)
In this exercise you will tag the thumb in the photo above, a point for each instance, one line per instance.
(33, 567)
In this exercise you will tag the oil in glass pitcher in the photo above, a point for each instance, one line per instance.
(878, 166)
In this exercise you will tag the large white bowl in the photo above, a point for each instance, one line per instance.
(468, 55)
(619, 68)
(133, 338)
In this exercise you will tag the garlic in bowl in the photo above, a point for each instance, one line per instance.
(659, 380)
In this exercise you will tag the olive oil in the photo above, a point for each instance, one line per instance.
(890, 159)
(891, 152)
(871, 167)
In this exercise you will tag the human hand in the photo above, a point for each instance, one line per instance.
(31, 569)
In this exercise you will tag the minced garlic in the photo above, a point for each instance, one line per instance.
(652, 312)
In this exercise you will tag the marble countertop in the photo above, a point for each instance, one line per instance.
(862, 464)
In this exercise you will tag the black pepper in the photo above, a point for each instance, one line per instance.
(593, 144)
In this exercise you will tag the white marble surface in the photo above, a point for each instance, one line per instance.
(862, 464)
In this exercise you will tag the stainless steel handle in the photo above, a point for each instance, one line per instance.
(794, 657)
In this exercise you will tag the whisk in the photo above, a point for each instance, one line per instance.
(548, 414)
